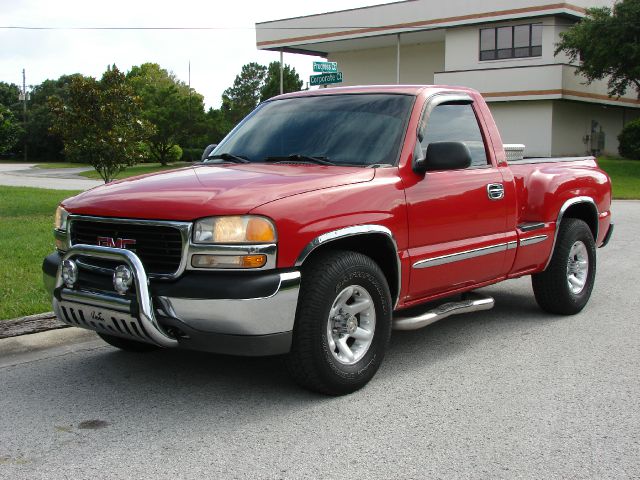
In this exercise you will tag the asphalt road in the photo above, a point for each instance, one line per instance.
(508, 393)
(25, 175)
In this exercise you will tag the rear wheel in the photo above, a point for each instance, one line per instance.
(343, 323)
(566, 285)
(126, 344)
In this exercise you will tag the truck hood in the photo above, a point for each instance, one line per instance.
(204, 190)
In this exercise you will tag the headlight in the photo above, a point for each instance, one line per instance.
(236, 229)
(61, 219)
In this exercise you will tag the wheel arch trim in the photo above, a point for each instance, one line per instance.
(563, 210)
(353, 231)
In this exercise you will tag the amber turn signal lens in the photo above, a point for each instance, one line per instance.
(260, 230)
(228, 261)
(254, 261)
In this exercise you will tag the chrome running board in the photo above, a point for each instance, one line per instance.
(472, 303)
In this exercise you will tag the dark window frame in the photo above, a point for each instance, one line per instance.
(509, 53)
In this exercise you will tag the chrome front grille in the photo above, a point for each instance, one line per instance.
(159, 247)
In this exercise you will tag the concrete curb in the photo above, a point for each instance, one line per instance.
(66, 338)
(40, 322)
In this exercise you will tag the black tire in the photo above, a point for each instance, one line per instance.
(126, 344)
(551, 287)
(311, 361)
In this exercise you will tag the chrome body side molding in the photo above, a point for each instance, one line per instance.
(464, 255)
(532, 240)
(563, 210)
(351, 232)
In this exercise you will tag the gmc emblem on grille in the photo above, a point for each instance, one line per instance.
(115, 242)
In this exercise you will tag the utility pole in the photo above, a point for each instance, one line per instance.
(24, 111)
(281, 73)
(189, 127)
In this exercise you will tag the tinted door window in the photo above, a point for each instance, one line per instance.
(455, 123)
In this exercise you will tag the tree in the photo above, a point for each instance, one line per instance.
(291, 81)
(607, 42)
(101, 123)
(9, 93)
(10, 130)
(42, 142)
(170, 106)
(239, 99)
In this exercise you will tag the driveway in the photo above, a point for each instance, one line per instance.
(508, 393)
(28, 175)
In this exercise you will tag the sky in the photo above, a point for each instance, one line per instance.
(216, 55)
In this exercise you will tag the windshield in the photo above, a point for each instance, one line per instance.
(354, 129)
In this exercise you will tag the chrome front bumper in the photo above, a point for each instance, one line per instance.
(174, 321)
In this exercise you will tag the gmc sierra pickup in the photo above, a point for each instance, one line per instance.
(317, 222)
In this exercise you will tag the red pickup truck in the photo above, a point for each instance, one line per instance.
(317, 222)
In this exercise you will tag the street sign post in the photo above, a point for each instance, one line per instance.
(325, 67)
(325, 79)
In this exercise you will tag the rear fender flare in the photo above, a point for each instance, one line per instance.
(563, 210)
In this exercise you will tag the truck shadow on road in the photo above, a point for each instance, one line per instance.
(236, 389)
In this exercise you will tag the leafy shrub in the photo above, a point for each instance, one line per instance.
(175, 153)
(629, 139)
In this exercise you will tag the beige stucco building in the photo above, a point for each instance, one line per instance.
(503, 48)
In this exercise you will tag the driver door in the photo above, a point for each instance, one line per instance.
(457, 218)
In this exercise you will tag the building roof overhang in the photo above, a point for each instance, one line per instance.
(418, 21)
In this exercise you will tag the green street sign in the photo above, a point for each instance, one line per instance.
(325, 67)
(325, 79)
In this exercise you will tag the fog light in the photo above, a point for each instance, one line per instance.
(122, 279)
(228, 261)
(69, 273)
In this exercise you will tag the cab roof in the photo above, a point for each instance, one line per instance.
(414, 90)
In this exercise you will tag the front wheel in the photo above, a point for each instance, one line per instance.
(566, 285)
(343, 323)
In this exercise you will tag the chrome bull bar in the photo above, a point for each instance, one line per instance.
(145, 313)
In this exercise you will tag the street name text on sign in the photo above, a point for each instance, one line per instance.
(325, 78)
(325, 67)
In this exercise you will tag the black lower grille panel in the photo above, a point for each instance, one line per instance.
(159, 247)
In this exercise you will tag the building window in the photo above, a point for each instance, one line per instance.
(511, 42)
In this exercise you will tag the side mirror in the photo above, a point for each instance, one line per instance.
(444, 156)
(207, 151)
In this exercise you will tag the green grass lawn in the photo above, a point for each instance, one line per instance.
(26, 237)
(140, 169)
(625, 176)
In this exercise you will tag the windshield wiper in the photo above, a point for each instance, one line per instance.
(228, 157)
(299, 158)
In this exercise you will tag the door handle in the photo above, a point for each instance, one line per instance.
(495, 191)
